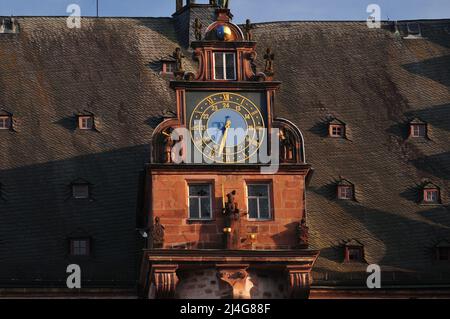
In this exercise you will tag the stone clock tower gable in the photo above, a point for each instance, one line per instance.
(215, 215)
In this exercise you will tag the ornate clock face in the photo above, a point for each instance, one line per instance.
(227, 127)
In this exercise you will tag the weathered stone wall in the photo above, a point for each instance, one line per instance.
(205, 284)
(170, 203)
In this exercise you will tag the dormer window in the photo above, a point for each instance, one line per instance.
(5, 122)
(353, 252)
(80, 247)
(224, 66)
(418, 129)
(431, 194)
(336, 129)
(86, 122)
(80, 189)
(167, 67)
(442, 251)
(345, 190)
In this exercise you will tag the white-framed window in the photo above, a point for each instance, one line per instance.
(259, 201)
(5, 122)
(168, 68)
(345, 192)
(224, 66)
(200, 201)
(80, 247)
(418, 130)
(337, 130)
(86, 122)
(431, 196)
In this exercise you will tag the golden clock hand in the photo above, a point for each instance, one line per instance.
(224, 138)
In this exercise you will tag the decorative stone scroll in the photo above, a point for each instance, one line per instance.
(165, 280)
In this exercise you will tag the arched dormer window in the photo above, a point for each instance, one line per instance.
(291, 142)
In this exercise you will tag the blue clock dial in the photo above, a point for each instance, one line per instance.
(217, 127)
(227, 127)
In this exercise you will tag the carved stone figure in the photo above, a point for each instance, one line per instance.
(168, 144)
(269, 57)
(198, 29)
(157, 234)
(178, 56)
(287, 146)
(248, 30)
(231, 207)
(232, 222)
(303, 234)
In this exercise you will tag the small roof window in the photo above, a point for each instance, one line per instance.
(345, 190)
(6, 120)
(431, 194)
(418, 129)
(442, 251)
(336, 128)
(80, 189)
(353, 251)
(86, 121)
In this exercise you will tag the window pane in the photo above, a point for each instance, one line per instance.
(206, 208)
(219, 67)
(444, 253)
(264, 209)
(199, 190)
(419, 130)
(230, 66)
(169, 67)
(353, 254)
(258, 190)
(431, 196)
(252, 208)
(80, 191)
(80, 247)
(194, 209)
(5, 123)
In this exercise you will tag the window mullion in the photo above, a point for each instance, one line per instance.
(257, 209)
(225, 75)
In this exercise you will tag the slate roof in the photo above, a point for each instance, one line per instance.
(372, 79)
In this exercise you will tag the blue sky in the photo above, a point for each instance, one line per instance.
(257, 10)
